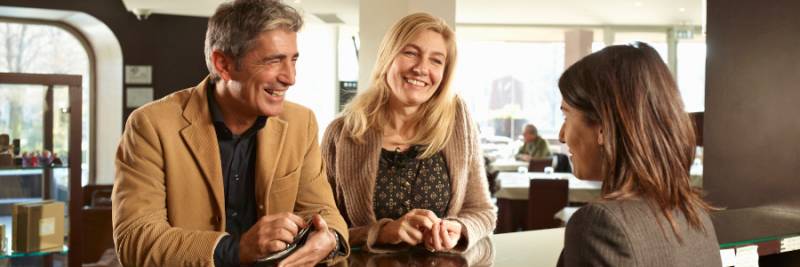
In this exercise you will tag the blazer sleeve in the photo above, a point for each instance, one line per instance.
(142, 234)
(478, 214)
(595, 237)
(315, 192)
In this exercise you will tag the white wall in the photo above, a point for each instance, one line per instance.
(317, 84)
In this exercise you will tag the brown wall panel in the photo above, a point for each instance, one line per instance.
(752, 117)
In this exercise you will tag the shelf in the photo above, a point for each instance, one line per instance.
(773, 229)
(53, 176)
(3, 170)
(12, 254)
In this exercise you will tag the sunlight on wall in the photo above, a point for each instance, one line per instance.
(315, 85)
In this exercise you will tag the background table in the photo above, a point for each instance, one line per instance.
(514, 185)
(507, 165)
(512, 196)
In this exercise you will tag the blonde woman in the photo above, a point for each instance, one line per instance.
(403, 157)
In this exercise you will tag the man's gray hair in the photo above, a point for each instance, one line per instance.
(235, 26)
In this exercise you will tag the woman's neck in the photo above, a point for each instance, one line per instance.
(401, 128)
(401, 119)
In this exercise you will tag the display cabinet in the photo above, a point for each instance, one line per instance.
(70, 169)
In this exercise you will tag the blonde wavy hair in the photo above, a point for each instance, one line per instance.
(433, 121)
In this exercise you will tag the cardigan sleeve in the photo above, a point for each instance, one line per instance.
(363, 236)
(328, 151)
(478, 214)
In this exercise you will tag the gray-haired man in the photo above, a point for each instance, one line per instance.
(225, 172)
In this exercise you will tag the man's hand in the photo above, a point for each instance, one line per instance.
(270, 234)
(443, 236)
(319, 245)
(409, 228)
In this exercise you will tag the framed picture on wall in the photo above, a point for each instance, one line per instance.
(138, 74)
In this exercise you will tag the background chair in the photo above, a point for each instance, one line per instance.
(96, 217)
(491, 176)
(545, 198)
(538, 165)
(562, 163)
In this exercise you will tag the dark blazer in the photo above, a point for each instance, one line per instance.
(632, 233)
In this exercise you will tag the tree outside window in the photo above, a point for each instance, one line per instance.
(46, 49)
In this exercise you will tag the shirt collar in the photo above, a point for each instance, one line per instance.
(216, 113)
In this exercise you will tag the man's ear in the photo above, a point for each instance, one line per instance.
(223, 64)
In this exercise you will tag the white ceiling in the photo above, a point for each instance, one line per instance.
(549, 12)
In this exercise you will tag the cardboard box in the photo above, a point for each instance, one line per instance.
(37, 226)
(3, 238)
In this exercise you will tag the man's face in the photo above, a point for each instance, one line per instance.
(529, 136)
(260, 81)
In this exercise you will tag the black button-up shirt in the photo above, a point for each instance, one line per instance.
(237, 159)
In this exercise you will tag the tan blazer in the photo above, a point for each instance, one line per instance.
(168, 199)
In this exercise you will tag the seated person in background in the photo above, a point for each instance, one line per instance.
(535, 147)
(625, 125)
(221, 174)
(403, 158)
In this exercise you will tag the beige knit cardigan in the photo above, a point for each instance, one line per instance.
(352, 168)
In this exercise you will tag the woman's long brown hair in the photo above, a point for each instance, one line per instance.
(649, 140)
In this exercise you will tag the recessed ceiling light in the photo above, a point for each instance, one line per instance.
(296, 1)
(682, 9)
(638, 3)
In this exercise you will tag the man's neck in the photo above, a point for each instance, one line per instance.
(236, 119)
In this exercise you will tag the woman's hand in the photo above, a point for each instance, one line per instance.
(443, 236)
(409, 229)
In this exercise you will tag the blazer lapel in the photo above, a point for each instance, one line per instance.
(270, 145)
(201, 139)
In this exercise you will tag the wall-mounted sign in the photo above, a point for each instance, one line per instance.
(138, 96)
(138, 74)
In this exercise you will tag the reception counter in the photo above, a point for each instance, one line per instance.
(773, 232)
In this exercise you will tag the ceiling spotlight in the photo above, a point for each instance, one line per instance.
(682, 9)
(638, 4)
(141, 13)
(297, 1)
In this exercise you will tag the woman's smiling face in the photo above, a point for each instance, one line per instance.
(416, 72)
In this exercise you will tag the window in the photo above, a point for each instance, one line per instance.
(509, 84)
(37, 48)
(692, 74)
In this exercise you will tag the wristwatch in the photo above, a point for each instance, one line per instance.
(336, 250)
